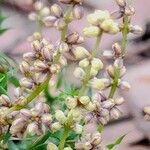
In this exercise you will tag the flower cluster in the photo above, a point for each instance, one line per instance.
(47, 60)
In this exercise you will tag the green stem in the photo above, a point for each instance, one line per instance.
(87, 78)
(31, 97)
(67, 21)
(125, 31)
(63, 139)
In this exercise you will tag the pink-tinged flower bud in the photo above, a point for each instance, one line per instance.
(18, 92)
(38, 5)
(29, 56)
(79, 73)
(91, 31)
(118, 64)
(71, 102)
(117, 49)
(80, 40)
(97, 64)
(60, 116)
(50, 21)
(129, 11)
(121, 3)
(27, 83)
(25, 113)
(124, 85)
(72, 38)
(56, 126)
(116, 15)
(78, 128)
(24, 67)
(104, 112)
(60, 24)
(32, 128)
(147, 110)
(78, 12)
(84, 63)
(65, 1)
(39, 107)
(108, 54)
(103, 120)
(45, 12)
(115, 113)
(108, 104)
(63, 47)
(52, 146)
(81, 52)
(46, 53)
(97, 139)
(56, 10)
(4, 100)
(39, 66)
(119, 100)
(135, 29)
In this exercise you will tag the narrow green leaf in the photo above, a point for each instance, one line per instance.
(2, 91)
(3, 30)
(14, 81)
(100, 128)
(117, 142)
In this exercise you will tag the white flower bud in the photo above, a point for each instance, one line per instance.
(124, 85)
(84, 100)
(56, 10)
(147, 110)
(47, 118)
(88, 146)
(103, 121)
(119, 100)
(110, 26)
(76, 113)
(51, 146)
(99, 84)
(29, 56)
(63, 47)
(50, 21)
(32, 16)
(46, 53)
(32, 128)
(45, 12)
(110, 71)
(60, 24)
(90, 106)
(18, 92)
(115, 113)
(136, 29)
(38, 5)
(78, 12)
(79, 73)
(56, 126)
(129, 11)
(91, 31)
(60, 116)
(63, 60)
(84, 63)
(37, 36)
(71, 102)
(117, 49)
(97, 64)
(93, 72)
(96, 140)
(78, 128)
(104, 112)
(36, 45)
(108, 54)
(68, 148)
(80, 52)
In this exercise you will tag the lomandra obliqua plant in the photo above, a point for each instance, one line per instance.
(33, 119)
